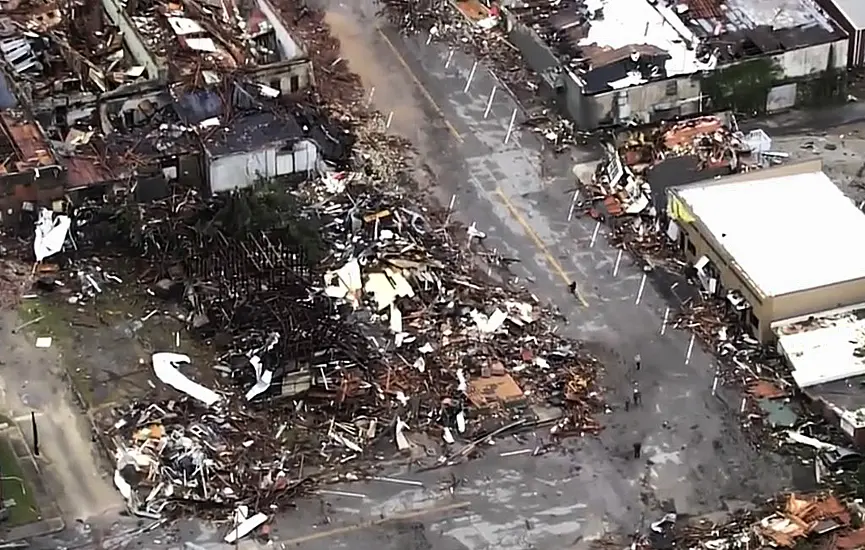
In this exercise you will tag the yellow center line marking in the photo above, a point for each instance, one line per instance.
(367, 524)
(554, 263)
(420, 86)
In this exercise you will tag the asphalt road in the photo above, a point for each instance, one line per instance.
(694, 458)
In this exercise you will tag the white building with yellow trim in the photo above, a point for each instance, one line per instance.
(778, 244)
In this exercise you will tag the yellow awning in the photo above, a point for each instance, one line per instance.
(678, 211)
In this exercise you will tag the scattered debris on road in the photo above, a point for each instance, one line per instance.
(480, 31)
(785, 521)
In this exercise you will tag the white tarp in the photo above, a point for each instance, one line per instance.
(809, 441)
(345, 282)
(122, 486)
(262, 382)
(245, 528)
(164, 366)
(51, 233)
(488, 324)
(263, 377)
(387, 287)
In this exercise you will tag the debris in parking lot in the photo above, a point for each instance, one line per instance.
(783, 521)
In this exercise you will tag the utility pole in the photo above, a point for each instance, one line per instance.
(35, 433)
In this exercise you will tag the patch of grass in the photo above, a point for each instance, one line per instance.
(15, 488)
(56, 322)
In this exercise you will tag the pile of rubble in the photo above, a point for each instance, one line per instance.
(628, 188)
(403, 343)
(336, 86)
(55, 48)
(757, 371)
(784, 522)
(352, 325)
(624, 181)
(709, 138)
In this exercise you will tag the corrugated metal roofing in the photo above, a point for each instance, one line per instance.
(705, 9)
(853, 10)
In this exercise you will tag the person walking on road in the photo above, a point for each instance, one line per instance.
(638, 448)
(638, 361)
(638, 397)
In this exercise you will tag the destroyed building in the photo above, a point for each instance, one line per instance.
(753, 239)
(33, 170)
(850, 15)
(201, 40)
(30, 172)
(64, 56)
(121, 49)
(668, 155)
(97, 83)
(826, 354)
(254, 144)
(618, 61)
(188, 43)
(220, 138)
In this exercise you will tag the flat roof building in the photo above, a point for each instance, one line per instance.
(775, 242)
(826, 353)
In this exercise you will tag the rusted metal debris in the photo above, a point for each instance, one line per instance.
(781, 522)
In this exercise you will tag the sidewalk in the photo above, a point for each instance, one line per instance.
(816, 120)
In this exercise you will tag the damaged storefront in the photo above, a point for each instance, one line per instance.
(775, 263)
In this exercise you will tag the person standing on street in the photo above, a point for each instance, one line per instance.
(638, 397)
(638, 361)
(638, 448)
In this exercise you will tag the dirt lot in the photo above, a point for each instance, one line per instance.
(107, 341)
